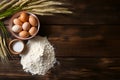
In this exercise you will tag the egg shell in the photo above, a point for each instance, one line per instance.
(26, 26)
(33, 21)
(24, 34)
(17, 22)
(32, 30)
(16, 28)
(24, 17)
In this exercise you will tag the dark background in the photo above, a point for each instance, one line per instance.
(87, 43)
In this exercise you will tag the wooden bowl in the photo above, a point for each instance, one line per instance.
(15, 34)
(12, 44)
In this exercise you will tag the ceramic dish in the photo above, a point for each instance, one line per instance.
(16, 35)
(16, 46)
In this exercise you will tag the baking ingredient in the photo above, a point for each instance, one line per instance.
(26, 30)
(4, 38)
(26, 26)
(24, 17)
(39, 56)
(24, 34)
(32, 20)
(32, 30)
(8, 12)
(18, 46)
(17, 22)
(4, 6)
(39, 7)
(16, 28)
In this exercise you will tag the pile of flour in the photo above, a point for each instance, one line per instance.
(38, 57)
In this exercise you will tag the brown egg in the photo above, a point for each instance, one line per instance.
(32, 20)
(24, 34)
(16, 28)
(26, 26)
(24, 17)
(17, 22)
(19, 18)
(32, 30)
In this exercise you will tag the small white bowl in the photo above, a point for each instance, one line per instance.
(14, 45)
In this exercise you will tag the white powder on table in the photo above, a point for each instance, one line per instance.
(39, 56)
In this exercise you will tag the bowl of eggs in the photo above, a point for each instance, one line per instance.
(24, 25)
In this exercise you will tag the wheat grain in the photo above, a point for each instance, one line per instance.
(17, 3)
(2, 46)
(1, 54)
(42, 5)
(47, 3)
(24, 2)
(42, 14)
(7, 5)
(3, 43)
(36, 2)
(52, 10)
(2, 17)
(3, 2)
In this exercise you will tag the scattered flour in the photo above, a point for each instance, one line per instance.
(39, 56)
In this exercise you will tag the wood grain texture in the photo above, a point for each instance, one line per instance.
(67, 68)
(87, 12)
(83, 40)
(86, 43)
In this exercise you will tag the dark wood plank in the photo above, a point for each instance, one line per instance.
(86, 43)
(67, 68)
(87, 12)
(81, 40)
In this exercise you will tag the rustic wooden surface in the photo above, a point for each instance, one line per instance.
(86, 43)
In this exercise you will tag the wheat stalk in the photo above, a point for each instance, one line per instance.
(36, 2)
(7, 4)
(39, 7)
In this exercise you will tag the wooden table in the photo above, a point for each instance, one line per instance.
(87, 43)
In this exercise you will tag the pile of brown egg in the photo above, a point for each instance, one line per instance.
(25, 25)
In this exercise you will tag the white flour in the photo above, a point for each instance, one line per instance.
(39, 56)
